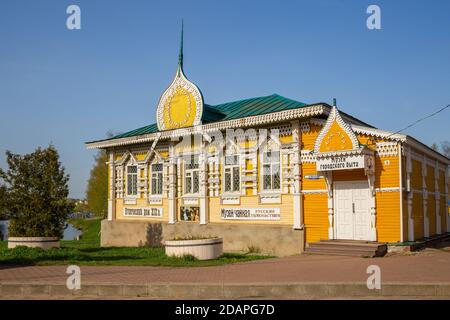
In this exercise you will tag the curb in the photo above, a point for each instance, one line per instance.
(229, 290)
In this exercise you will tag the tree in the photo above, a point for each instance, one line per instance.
(97, 190)
(81, 207)
(445, 147)
(435, 147)
(2, 202)
(36, 194)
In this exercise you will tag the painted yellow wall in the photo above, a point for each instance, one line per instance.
(417, 213)
(404, 201)
(387, 172)
(315, 208)
(349, 175)
(388, 216)
(416, 175)
(431, 212)
(418, 201)
(444, 210)
(315, 205)
(309, 137)
(310, 169)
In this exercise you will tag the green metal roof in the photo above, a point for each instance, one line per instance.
(257, 106)
(229, 111)
(137, 132)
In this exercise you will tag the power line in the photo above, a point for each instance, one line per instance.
(421, 119)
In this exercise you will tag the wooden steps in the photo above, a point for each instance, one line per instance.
(347, 248)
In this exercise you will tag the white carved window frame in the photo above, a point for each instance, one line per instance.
(226, 166)
(155, 198)
(131, 163)
(264, 149)
(195, 157)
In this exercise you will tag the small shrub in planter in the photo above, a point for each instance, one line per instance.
(36, 197)
(201, 247)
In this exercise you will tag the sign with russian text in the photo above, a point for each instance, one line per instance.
(143, 212)
(341, 163)
(250, 213)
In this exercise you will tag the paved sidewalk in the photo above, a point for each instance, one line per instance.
(430, 265)
(425, 274)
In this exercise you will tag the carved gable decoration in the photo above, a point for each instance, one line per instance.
(336, 135)
(338, 148)
(181, 105)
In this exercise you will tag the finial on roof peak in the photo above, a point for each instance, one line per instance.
(180, 54)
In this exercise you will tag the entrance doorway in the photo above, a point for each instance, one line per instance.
(351, 210)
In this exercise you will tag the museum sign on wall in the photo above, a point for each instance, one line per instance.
(250, 213)
(362, 161)
(143, 212)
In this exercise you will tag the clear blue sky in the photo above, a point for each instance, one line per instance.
(67, 87)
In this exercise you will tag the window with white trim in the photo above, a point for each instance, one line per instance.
(232, 179)
(191, 175)
(132, 177)
(156, 179)
(271, 179)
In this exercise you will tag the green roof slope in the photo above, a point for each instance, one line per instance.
(229, 111)
(257, 106)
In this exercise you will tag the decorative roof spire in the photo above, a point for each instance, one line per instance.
(334, 102)
(180, 55)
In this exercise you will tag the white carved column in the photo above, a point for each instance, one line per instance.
(112, 190)
(410, 195)
(204, 205)
(179, 162)
(372, 202)
(146, 189)
(296, 171)
(370, 173)
(447, 174)
(437, 196)
(329, 182)
(426, 221)
(172, 192)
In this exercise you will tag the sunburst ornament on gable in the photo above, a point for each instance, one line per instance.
(181, 105)
(336, 135)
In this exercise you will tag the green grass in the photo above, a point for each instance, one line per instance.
(87, 251)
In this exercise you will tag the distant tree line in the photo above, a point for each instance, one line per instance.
(97, 188)
(444, 148)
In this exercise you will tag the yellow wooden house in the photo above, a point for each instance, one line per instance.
(269, 172)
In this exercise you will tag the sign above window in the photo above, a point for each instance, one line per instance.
(362, 161)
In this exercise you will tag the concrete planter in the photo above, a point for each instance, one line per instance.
(34, 242)
(202, 249)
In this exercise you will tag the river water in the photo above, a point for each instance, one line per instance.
(70, 233)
